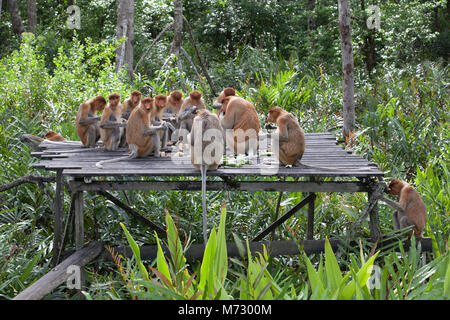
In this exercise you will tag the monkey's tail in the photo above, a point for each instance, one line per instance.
(131, 156)
(203, 169)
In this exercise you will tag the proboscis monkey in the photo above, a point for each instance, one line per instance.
(111, 124)
(186, 115)
(142, 138)
(131, 103)
(160, 105)
(288, 142)
(87, 122)
(53, 136)
(411, 210)
(174, 103)
(127, 107)
(206, 140)
(240, 122)
(291, 138)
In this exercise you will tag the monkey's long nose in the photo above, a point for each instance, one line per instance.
(217, 105)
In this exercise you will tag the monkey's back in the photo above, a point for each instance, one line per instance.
(294, 148)
(247, 118)
(202, 123)
(82, 129)
(415, 210)
(137, 122)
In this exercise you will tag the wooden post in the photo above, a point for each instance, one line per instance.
(58, 213)
(79, 233)
(79, 220)
(374, 221)
(310, 225)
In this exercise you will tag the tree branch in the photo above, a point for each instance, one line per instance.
(26, 179)
(202, 65)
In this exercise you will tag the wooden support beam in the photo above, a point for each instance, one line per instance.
(310, 224)
(79, 219)
(58, 275)
(232, 185)
(374, 220)
(58, 217)
(274, 248)
(286, 216)
(195, 251)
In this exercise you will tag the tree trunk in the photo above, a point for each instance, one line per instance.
(16, 20)
(125, 27)
(32, 15)
(348, 85)
(177, 27)
(1, 10)
(177, 32)
(311, 20)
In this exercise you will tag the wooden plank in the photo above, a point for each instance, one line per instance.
(59, 275)
(250, 186)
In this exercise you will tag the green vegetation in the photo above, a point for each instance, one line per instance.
(402, 124)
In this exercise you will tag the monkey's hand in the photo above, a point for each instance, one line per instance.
(269, 126)
(168, 125)
(88, 121)
(112, 125)
(187, 113)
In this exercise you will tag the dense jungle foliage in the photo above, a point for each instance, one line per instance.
(274, 52)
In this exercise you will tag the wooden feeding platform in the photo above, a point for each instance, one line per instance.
(75, 169)
(345, 172)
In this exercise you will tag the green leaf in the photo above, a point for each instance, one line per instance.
(161, 262)
(136, 252)
(332, 270)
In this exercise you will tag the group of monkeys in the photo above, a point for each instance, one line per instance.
(140, 124)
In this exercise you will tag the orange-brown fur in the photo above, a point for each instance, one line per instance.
(239, 114)
(88, 110)
(112, 113)
(131, 103)
(290, 134)
(139, 121)
(174, 102)
(194, 100)
(53, 136)
(159, 105)
(413, 206)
